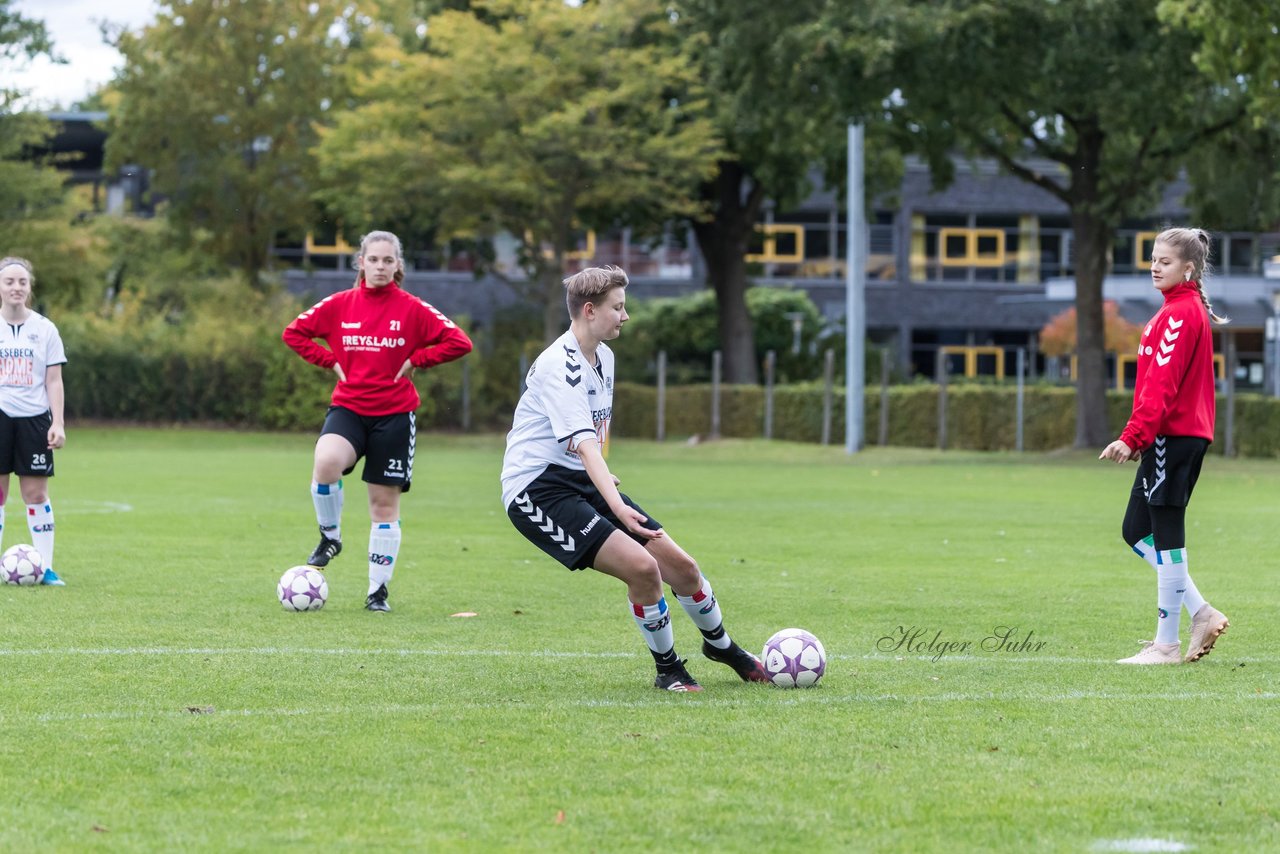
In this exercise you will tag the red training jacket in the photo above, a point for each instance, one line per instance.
(370, 332)
(1174, 393)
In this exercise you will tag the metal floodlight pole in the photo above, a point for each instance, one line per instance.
(855, 299)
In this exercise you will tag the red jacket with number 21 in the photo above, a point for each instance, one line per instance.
(370, 333)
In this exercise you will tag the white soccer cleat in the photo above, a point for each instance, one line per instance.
(1155, 653)
(1207, 625)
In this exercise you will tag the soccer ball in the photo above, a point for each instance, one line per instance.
(303, 588)
(21, 564)
(793, 658)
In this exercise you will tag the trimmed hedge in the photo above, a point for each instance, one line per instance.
(233, 369)
(979, 417)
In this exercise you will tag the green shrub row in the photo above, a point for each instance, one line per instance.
(232, 368)
(229, 366)
(978, 417)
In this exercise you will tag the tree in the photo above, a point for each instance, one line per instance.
(24, 186)
(220, 100)
(1100, 88)
(1237, 45)
(1234, 180)
(777, 127)
(31, 192)
(1059, 337)
(533, 117)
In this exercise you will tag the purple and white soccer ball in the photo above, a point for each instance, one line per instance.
(793, 658)
(303, 588)
(22, 565)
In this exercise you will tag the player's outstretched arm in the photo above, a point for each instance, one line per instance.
(606, 483)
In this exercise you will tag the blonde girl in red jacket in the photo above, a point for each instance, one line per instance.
(1168, 433)
(376, 333)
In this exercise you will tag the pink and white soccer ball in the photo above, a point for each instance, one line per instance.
(22, 564)
(303, 588)
(793, 658)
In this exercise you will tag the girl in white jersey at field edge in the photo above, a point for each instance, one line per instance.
(377, 334)
(560, 494)
(31, 405)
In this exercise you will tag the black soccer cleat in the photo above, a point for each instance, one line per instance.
(325, 552)
(676, 678)
(377, 600)
(746, 665)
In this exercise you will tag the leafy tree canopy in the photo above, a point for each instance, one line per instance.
(532, 117)
(220, 100)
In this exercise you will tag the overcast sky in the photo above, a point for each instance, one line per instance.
(73, 24)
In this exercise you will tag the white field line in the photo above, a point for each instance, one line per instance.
(779, 698)
(288, 650)
(546, 653)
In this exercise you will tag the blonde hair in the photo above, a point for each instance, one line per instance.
(590, 284)
(374, 237)
(10, 260)
(1192, 246)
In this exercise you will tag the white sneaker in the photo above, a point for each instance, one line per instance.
(1207, 626)
(1155, 653)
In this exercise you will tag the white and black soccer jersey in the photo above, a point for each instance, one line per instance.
(565, 400)
(26, 351)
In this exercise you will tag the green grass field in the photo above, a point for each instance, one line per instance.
(164, 700)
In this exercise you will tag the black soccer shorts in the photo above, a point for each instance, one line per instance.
(385, 441)
(24, 445)
(1169, 470)
(564, 514)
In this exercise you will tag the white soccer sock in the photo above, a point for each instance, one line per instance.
(1171, 587)
(703, 609)
(1146, 549)
(327, 497)
(384, 546)
(40, 523)
(655, 627)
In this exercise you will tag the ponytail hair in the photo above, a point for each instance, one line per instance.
(373, 237)
(1192, 246)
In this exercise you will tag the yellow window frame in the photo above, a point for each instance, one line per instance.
(972, 257)
(971, 354)
(770, 254)
(1142, 260)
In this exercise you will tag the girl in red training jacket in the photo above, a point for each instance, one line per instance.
(1169, 431)
(377, 334)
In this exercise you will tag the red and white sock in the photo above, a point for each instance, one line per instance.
(40, 523)
(655, 627)
(703, 609)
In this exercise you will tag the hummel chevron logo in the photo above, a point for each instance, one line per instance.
(1166, 347)
(568, 350)
(1162, 360)
(1174, 324)
(573, 381)
(573, 367)
(1170, 335)
(565, 541)
(535, 515)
